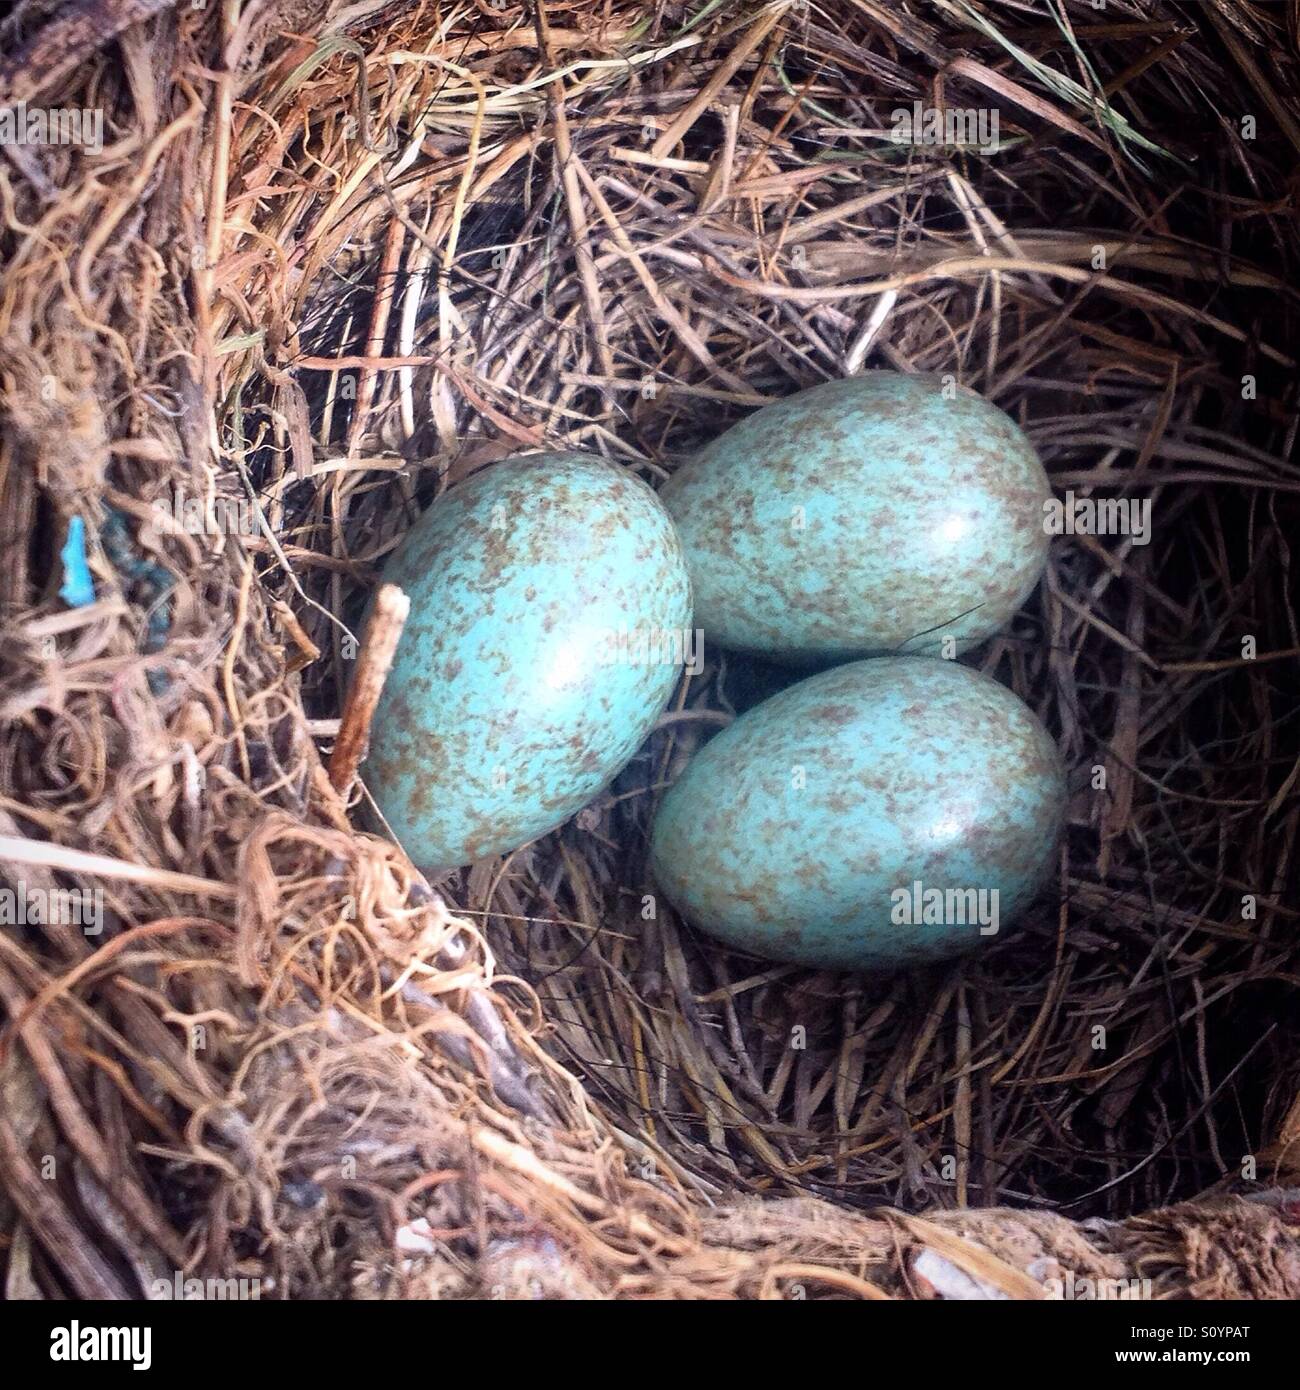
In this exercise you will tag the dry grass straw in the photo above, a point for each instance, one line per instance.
(328, 262)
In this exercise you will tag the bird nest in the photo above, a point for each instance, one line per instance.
(324, 262)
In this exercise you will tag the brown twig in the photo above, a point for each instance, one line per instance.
(374, 661)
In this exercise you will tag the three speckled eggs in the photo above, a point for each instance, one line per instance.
(883, 513)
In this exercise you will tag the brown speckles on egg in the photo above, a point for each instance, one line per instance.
(942, 776)
(501, 717)
(924, 518)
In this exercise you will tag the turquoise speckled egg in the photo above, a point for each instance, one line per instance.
(879, 513)
(876, 816)
(548, 597)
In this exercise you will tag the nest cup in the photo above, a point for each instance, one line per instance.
(253, 334)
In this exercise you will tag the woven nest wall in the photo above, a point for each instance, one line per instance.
(331, 259)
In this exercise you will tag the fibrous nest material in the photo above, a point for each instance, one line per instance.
(325, 261)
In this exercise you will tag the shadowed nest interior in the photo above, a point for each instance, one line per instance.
(330, 261)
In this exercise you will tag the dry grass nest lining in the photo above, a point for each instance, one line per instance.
(336, 260)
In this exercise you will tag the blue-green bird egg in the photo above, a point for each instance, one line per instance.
(880, 513)
(546, 596)
(818, 827)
